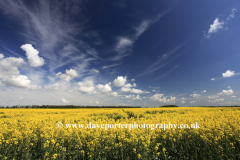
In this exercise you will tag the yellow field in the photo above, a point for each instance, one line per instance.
(49, 133)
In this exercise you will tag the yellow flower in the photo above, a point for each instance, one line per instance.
(139, 156)
(55, 156)
(134, 150)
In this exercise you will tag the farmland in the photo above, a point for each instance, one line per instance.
(111, 133)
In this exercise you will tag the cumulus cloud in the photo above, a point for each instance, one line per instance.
(217, 25)
(128, 96)
(54, 87)
(127, 85)
(125, 89)
(137, 91)
(1, 56)
(10, 75)
(115, 94)
(20, 81)
(32, 55)
(183, 102)
(195, 95)
(226, 92)
(213, 79)
(204, 91)
(161, 98)
(70, 74)
(104, 88)
(132, 80)
(228, 73)
(192, 102)
(137, 97)
(86, 86)
(63, 100)
(120, 81)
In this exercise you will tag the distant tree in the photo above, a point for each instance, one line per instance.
(169, 106)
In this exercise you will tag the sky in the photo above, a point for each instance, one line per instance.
(126, 52)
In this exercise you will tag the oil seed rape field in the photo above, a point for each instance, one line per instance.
(35, 134)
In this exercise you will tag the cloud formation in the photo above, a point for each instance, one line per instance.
(228, 73)
(10, 74)
(63, 100)
(161, 98)
(70, 74)
(104, 88)
(120, 81)
(54, 87)
(218, 25)
(86, 87)
(32, 55)
(226, 92)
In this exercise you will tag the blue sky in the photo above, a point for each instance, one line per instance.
(147, 53)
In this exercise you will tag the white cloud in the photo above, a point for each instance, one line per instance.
(161, 98)
(123, 44)
(132, 80)
(32, 55)
(104, 88)
(204, 91)
(70, 74)
(115, 94)
(195, 95)
(1, 56)
(127, 85)
(137, 91)
(125, 89)
(86, 86)
(226, 92)
(97, 102)
(183, 101)
(128, 96)
(64, 100)
(192, 102)
(232, 15)
(21, 98)
(215, 27)
(134, 85)
(228, 73)
(211, 97)
(54, 87)
(10, 75)
(9, 66)
(220, 99)
(20, 81)
(94, 71)
(213, 79)
(137, 97)
(120, 81)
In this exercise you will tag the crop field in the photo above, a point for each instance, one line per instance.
(121, 134)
